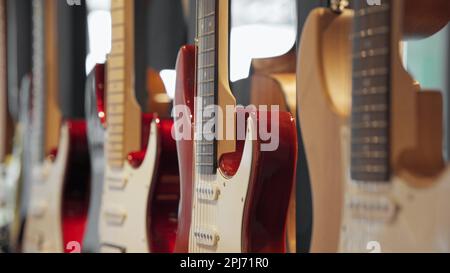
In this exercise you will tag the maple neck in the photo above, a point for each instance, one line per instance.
(206, 83)
(3, 89)
(38, 80)
(123, 112)
(46, 118)
(370, 147)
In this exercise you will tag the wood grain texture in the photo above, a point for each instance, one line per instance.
(53, 116)
(409, 212)
(324, 96)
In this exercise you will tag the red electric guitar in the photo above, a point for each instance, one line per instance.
(141, 186)
(234, 193)
(59, 183)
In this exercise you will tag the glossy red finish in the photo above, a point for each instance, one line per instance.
(165, 193)
(184, 95)
(76, 189)
(267, 202)
(270, 184)
(100, 92)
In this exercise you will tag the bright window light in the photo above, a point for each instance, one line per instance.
(169, 78)
(99, 27)
(260, 29)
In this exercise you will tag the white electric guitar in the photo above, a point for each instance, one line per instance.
(140, 190)
(59, 200)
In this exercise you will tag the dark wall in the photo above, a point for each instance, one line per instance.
(72, 40)
(19, 48)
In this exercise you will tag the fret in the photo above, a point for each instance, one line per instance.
(371, 91)
(377, 169)
(370, 155)
(375, 90)
(369, 140)
(373, 72)
(379, 124)
(211, 14)
(382, 30)
(371, 53)
(370, 108)
(372, 10)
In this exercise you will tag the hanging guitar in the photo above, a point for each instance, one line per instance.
(140, 191)
(324, 87)
(396, 192)
(234, 194)
(59, 183)
(274, 83)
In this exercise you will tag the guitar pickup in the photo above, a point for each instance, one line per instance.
(115, 216)
(117, 183)
(206, 237)
(207, 192)
(373, 208)
(39, 210)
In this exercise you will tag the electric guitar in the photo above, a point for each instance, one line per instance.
(59, 183)
(5, 211)
(274, 83)
(141, 184)
(397, 187)
(95, 115)
(324, 88)
(234, 193)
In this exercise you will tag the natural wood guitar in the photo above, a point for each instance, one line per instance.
(234, 195)
(397, 183)
(324, 88)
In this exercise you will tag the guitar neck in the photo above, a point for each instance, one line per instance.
(206, 82)
(371, 92)
(213, 86)
(3, 98)
(123, 112)
(46, 112)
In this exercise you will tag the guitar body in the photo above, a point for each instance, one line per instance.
(402, 218)
(274, 83)
(139, 210)
(396, 192)
(95, 88)
(60, 194)
(10, 189)
(324, 97)
(254, 188)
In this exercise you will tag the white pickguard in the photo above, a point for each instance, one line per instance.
(43, 228)
(224, 217)
(396, 217)
(123, 220)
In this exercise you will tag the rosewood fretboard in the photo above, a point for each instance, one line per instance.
(371, 92)
(206, 143)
